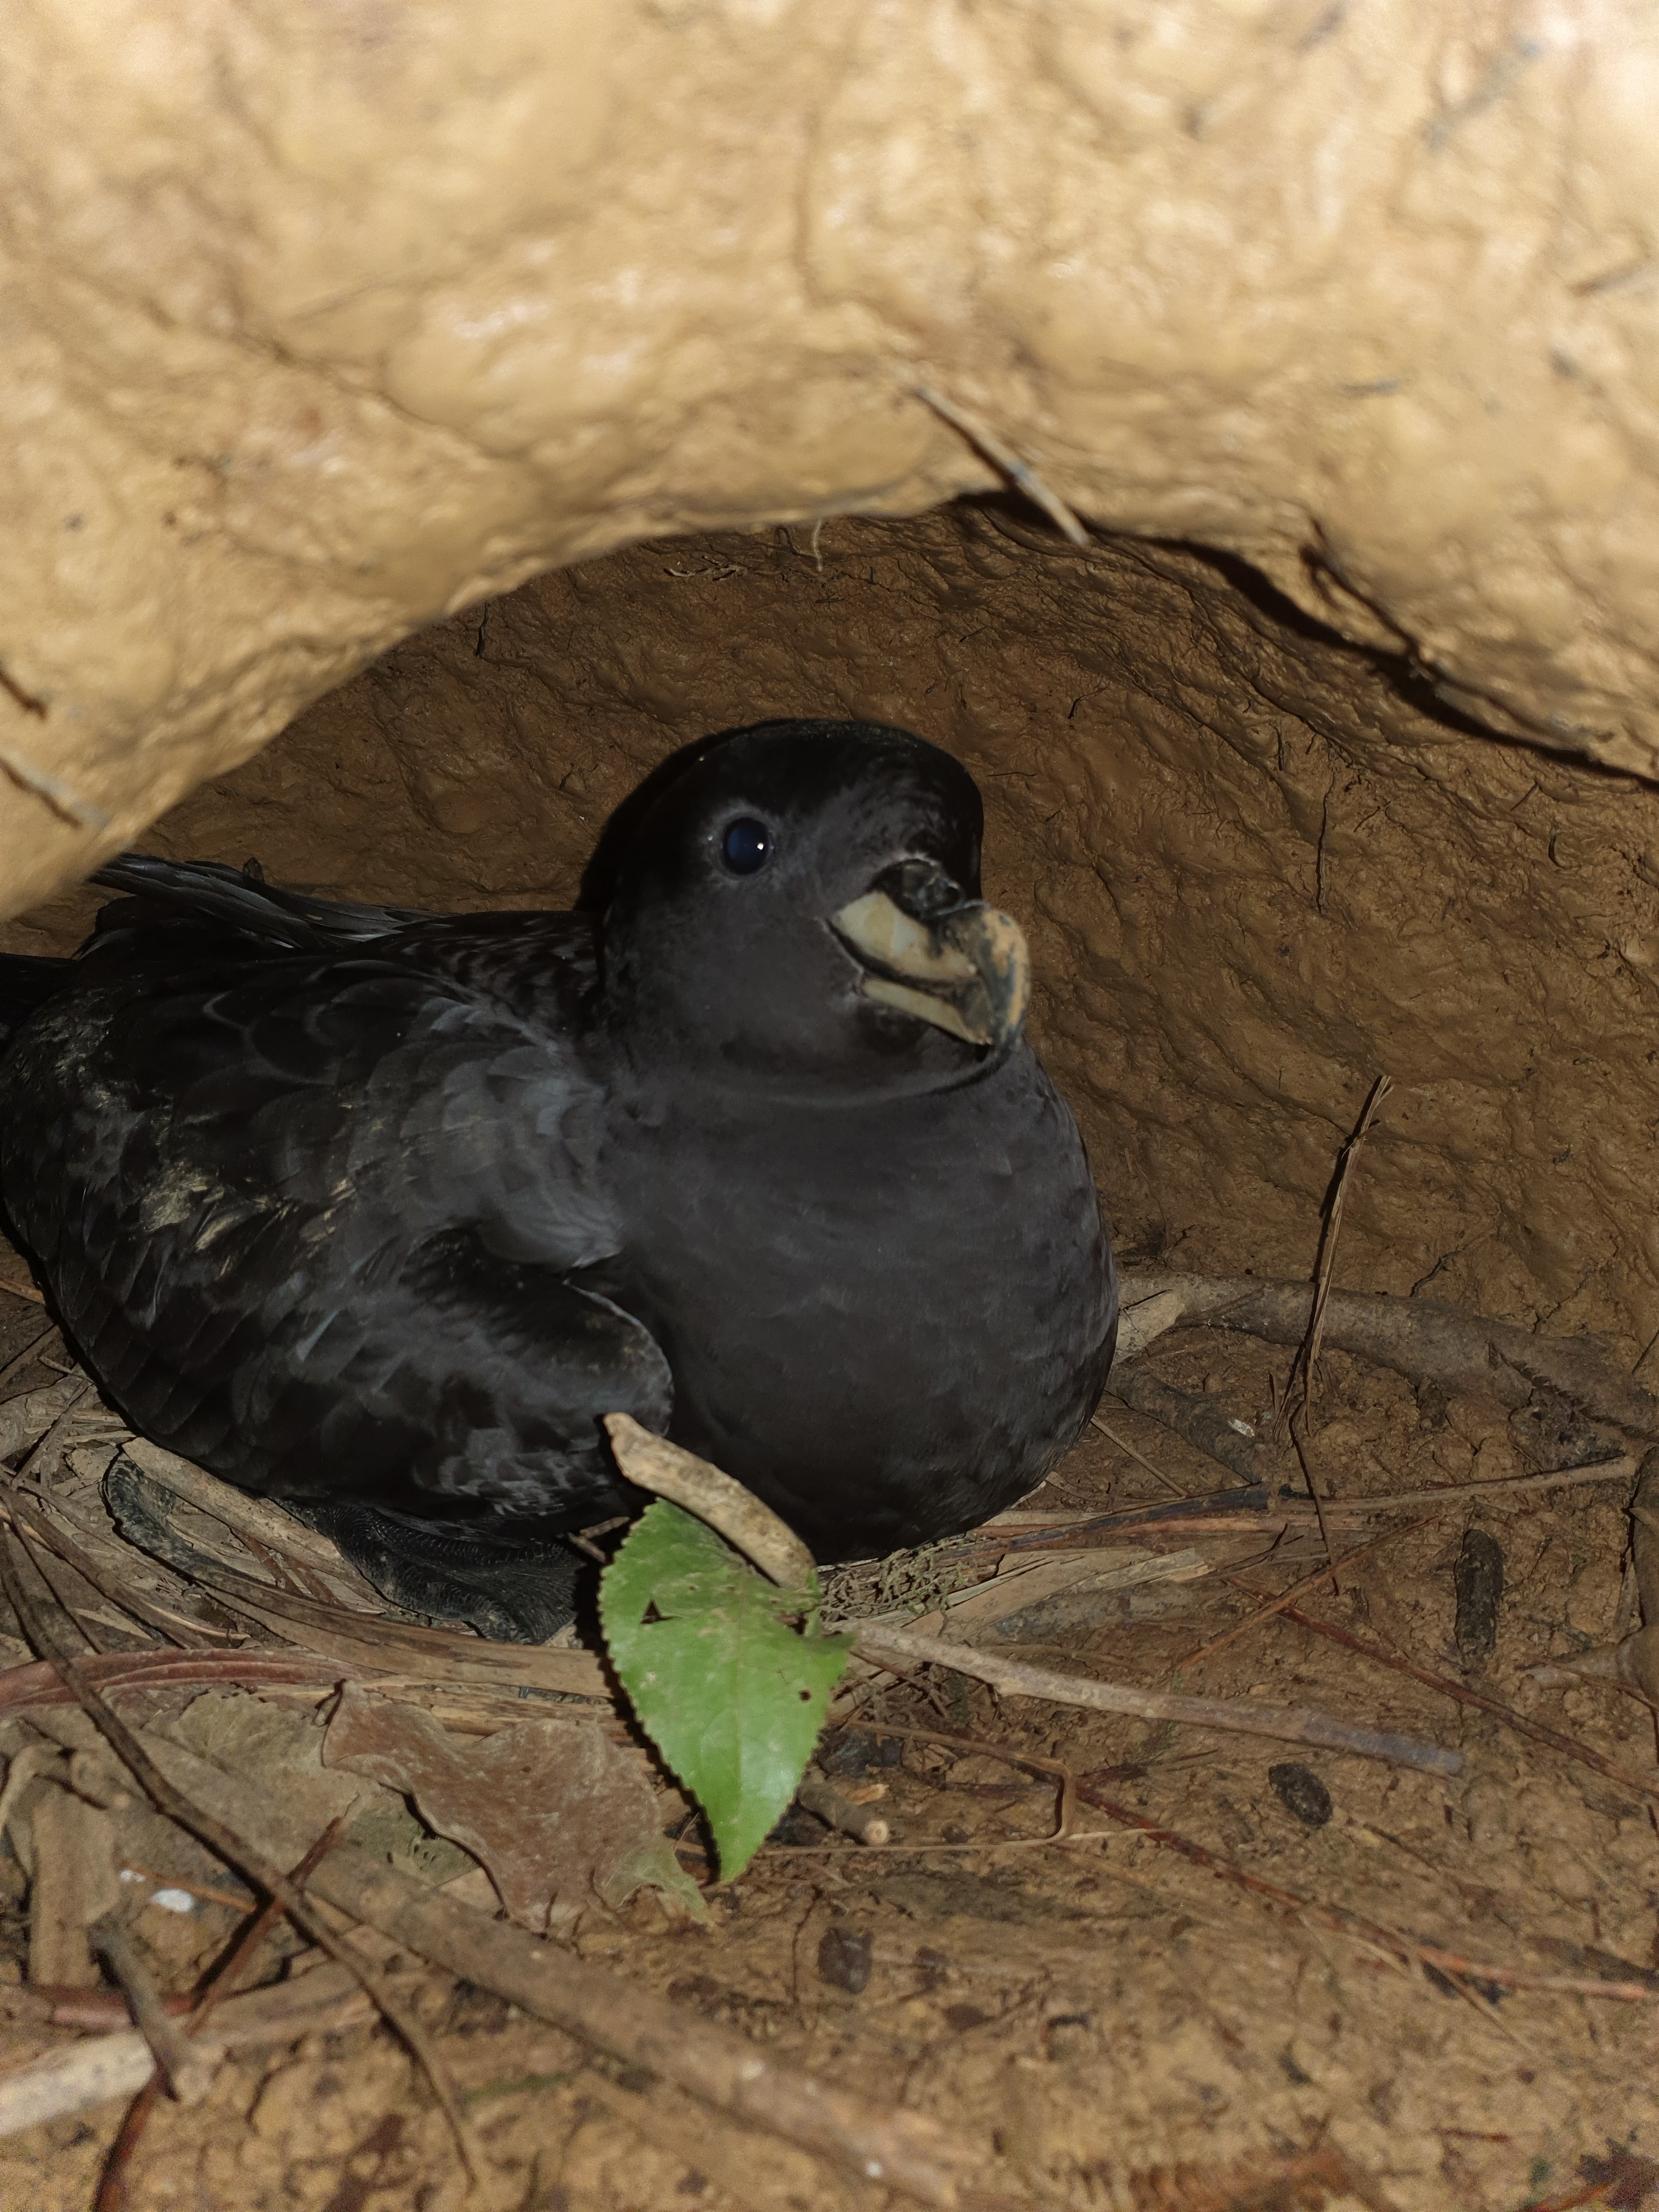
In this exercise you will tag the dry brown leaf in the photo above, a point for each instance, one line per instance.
(242, 1734)
(237, 1730)
(555, 1812)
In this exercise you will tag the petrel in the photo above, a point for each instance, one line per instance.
(378, 1213)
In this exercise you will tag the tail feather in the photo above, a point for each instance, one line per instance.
(241, 899)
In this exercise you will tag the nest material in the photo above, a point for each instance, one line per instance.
(164, 1567)
(174, 1578)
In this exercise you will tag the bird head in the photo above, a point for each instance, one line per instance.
(802, 902)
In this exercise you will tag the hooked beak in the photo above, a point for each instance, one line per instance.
(966, 969)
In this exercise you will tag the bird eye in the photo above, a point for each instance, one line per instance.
(746, 845)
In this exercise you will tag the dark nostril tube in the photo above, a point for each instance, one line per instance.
(921, 888)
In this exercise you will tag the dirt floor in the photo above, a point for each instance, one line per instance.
(1118, 2025)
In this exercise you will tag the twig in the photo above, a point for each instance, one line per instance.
(117, 2166)
(1298, 1426)
(1569, 1747)
(1327, 1573)
(1228, 1513)
(263, 1872)
(1427, 1342)
(714, 1497)
(1306, 1363)
(105, 2066)
(907, 2151)
(1197, 1419)
(1112, 1436)
(60, 2004)
(1296, 1409)
(1217, 1513)
(1453, 1494)
(858, 1821)
(980, 1844)
(1291, 1724)
(1002, 455)
(247, 1943)
(371, 1644)
(1592, 2192)
(1344, 1921)
(188, 2072)
(1140, 1323)
(22, 1290)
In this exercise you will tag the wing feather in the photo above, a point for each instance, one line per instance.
(311, 1216)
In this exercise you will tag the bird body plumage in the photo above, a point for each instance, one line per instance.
(352, 1204)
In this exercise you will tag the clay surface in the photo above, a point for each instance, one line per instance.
(1258, 867)
(322, 322)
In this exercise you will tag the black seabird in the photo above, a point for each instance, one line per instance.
(377, 1212)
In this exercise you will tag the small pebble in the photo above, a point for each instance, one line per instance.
(844, 1958)
(1478, 1578)
(169, 1898)
(1302, 1793)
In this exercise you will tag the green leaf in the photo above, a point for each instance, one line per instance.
(731, 1691)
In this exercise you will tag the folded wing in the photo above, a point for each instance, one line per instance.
(327, 1215)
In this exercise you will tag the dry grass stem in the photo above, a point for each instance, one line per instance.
(1289, 1723)
(1569, 1747)
(1503, 1486)
(1287, 1599)
(1002, 455)
(1342, 1921)
(1112, 1437)
(1296, 1407)
(1304, 1372)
